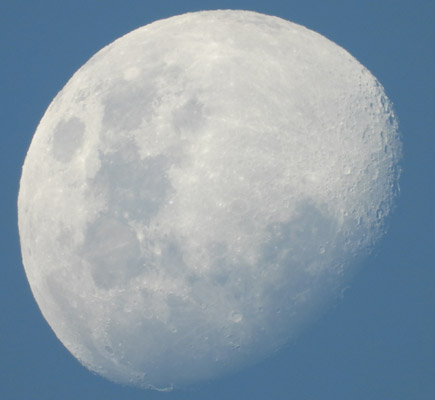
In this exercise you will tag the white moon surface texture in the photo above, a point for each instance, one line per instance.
(199, 189)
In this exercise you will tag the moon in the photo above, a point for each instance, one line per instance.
(199, 189)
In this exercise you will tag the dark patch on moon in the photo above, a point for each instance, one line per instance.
(113, 251)
(294, 254)
(126, 105)
(67, 139)
(135, 188)
(298, 242)
(189, 116)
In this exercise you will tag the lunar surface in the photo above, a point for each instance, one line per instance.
(198, 190)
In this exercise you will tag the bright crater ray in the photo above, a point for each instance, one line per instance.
(198, 189)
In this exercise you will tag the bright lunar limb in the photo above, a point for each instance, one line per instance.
(198, 189)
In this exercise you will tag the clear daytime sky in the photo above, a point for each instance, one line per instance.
(377, 343)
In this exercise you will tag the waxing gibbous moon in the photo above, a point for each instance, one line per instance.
(198, 189)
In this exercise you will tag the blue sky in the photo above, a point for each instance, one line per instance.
(377, 343)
